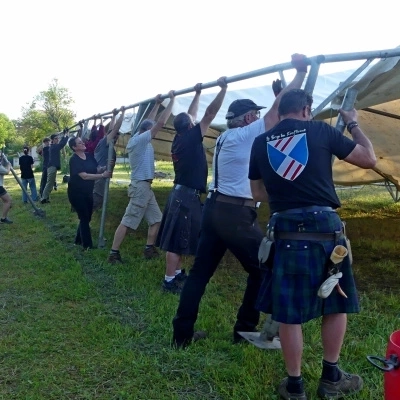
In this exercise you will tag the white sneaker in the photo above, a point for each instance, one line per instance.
(326, 288)
(274, 344)
(254, 338)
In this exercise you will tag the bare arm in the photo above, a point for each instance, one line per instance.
(117, 126)
(112, 122)
(92, 177)
(164, 115)
(94, 127)
(214, 106)
(258, 190)
(154, 111)
(363, 154)
(271, 118)
(194, 105)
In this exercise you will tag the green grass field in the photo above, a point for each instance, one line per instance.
(74, 327)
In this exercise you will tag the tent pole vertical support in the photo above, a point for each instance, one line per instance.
(312, 76)
(101, 241)
(347, 104)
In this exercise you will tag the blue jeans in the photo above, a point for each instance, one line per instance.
(32, 187)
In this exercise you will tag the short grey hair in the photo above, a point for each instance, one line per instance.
(146, 125)
(236, 122)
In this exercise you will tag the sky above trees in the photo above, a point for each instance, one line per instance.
(109, 54)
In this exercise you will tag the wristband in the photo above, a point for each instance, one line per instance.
(351, 125)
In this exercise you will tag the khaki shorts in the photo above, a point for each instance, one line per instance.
(142, 203)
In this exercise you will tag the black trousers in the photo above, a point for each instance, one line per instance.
(83, 205)
(224, 226)
(43, 181)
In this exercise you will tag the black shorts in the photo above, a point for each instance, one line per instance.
(2, 191)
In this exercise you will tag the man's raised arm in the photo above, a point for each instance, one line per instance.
(299, 61)
(194, 105)
(163, 118)
(363, 154)
(153, 112)
(214, 106)
(116, 127)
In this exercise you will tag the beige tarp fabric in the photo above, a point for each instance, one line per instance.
(384, 133)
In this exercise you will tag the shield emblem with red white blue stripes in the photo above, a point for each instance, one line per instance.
(288, 156)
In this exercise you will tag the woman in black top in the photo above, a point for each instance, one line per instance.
(83, 172)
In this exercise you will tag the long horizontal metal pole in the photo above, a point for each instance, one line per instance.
(320, 59)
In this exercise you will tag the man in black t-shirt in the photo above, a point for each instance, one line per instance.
(180, 225)
(291, 169)
(27, 177)
(54, 163)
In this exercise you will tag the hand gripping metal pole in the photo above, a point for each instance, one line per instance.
(37, 211)
(347, 104)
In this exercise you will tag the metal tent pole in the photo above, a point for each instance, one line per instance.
(101, 241)
(348, 103)
(278, 68)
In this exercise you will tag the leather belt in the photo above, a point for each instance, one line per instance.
(187, 189)
(305, 209)
(306, 236)
(239, 201)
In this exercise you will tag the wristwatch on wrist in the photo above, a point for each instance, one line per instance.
(351, 125)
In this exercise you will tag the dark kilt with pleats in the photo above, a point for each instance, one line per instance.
(289, 290)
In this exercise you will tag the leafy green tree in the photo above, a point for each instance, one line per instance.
(48, 113)
(7, 130)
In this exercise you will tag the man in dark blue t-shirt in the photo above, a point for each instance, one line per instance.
(54, 164)
(291, 169)
(180, 225)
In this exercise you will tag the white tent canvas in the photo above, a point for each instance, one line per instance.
(378, 91)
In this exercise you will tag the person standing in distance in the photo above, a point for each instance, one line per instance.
(27, 177)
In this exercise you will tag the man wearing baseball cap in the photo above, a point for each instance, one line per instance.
(229, 217)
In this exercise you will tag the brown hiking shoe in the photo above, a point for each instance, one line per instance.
(347, 384)
(151, 252)
(289, 396)
(114, 258)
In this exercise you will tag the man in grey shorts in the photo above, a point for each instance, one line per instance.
(142, 202)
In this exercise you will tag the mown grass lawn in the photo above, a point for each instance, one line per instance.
(74, 327)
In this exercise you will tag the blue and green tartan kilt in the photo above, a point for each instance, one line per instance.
(289, 289)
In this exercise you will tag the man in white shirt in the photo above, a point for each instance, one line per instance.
(229, 216)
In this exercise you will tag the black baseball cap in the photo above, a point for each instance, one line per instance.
(240, 107)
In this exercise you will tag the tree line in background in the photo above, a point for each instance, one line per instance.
(49, 112)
